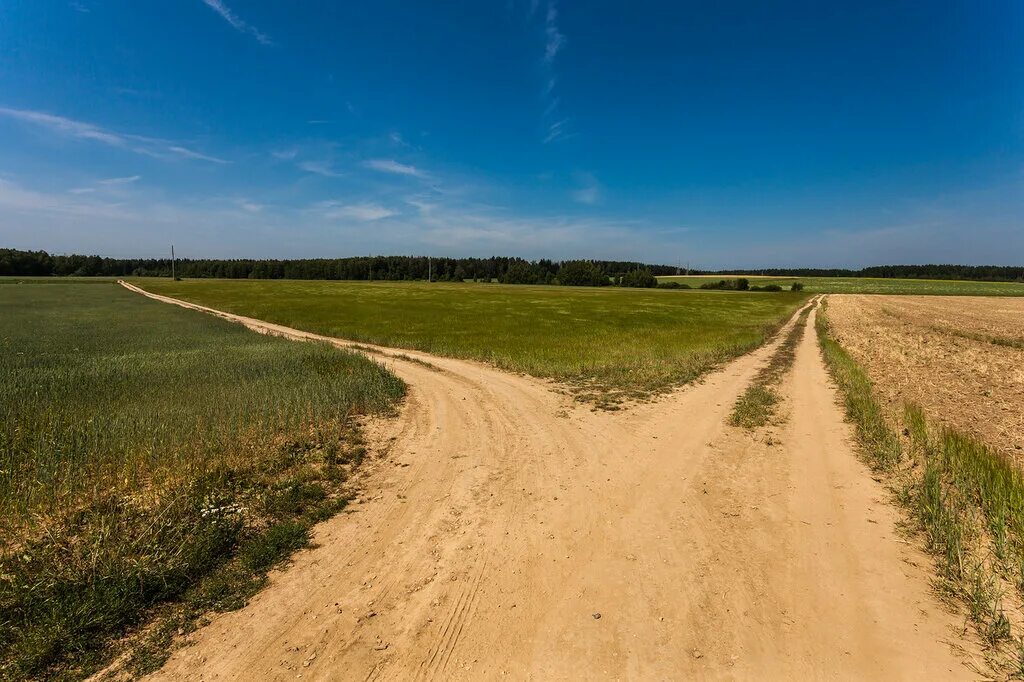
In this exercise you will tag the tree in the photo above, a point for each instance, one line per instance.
(518, 272)
(639, 278)
(581, 273)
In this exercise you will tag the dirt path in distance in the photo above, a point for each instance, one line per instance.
(507, 533)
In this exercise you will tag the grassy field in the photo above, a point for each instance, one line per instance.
(604, 342)
(866, 285)
(154, 462)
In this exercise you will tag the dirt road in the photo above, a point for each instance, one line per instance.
(509, 533)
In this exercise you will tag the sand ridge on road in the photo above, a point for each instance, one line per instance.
(508, 533)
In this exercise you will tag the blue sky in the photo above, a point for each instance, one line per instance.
(727, 134)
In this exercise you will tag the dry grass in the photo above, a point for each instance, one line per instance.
(953, 357)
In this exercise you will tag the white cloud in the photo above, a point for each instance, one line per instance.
(69, 127)
(236, 22)
(250, 206)
(557, 130)
(392, 166)
(120, 181)
(191, 154)
(320, 168)
(22, 201)
(587, 195)
(108, 185)
(554, 40)
(589, 191)
(363, 211)
(140, 144)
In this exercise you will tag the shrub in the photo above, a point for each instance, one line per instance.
(797, 286)
(741, 284)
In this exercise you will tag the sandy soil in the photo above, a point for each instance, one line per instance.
(507, 533)
(934, 351)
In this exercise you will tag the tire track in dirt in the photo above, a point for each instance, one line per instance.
(507, 532)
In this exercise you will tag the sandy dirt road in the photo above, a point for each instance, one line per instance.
(506, 533)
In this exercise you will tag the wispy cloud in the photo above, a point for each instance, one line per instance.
(392, 166)
(361, 211)
(320, 168)
(556, 124)
(249, 206)
(120, 181)
(556, 130)
(589, 192)
(107, 185)
(140, 144)
(554, 37)
(68, 127)
(192, 154)
(236, 22)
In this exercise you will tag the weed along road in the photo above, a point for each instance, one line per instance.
(508, 532)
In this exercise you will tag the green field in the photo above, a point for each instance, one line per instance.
(151, 455)
(601, 341)
(865, 285)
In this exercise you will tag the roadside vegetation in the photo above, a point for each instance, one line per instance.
(606, 344)
(757, 405)
(154, 464)
(965, 499)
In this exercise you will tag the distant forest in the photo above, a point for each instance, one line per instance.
(502, 269)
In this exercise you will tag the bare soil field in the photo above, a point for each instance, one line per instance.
(961, 359)
(509, 533)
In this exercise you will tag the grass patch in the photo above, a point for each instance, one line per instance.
(154, 464)
(756, 406)
(965, 499)
(607, 344)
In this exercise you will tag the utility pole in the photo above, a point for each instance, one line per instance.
(430, 270)
(173, 277)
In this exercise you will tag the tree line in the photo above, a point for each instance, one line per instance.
(495, 268)
(981, 273)
(369, 268)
